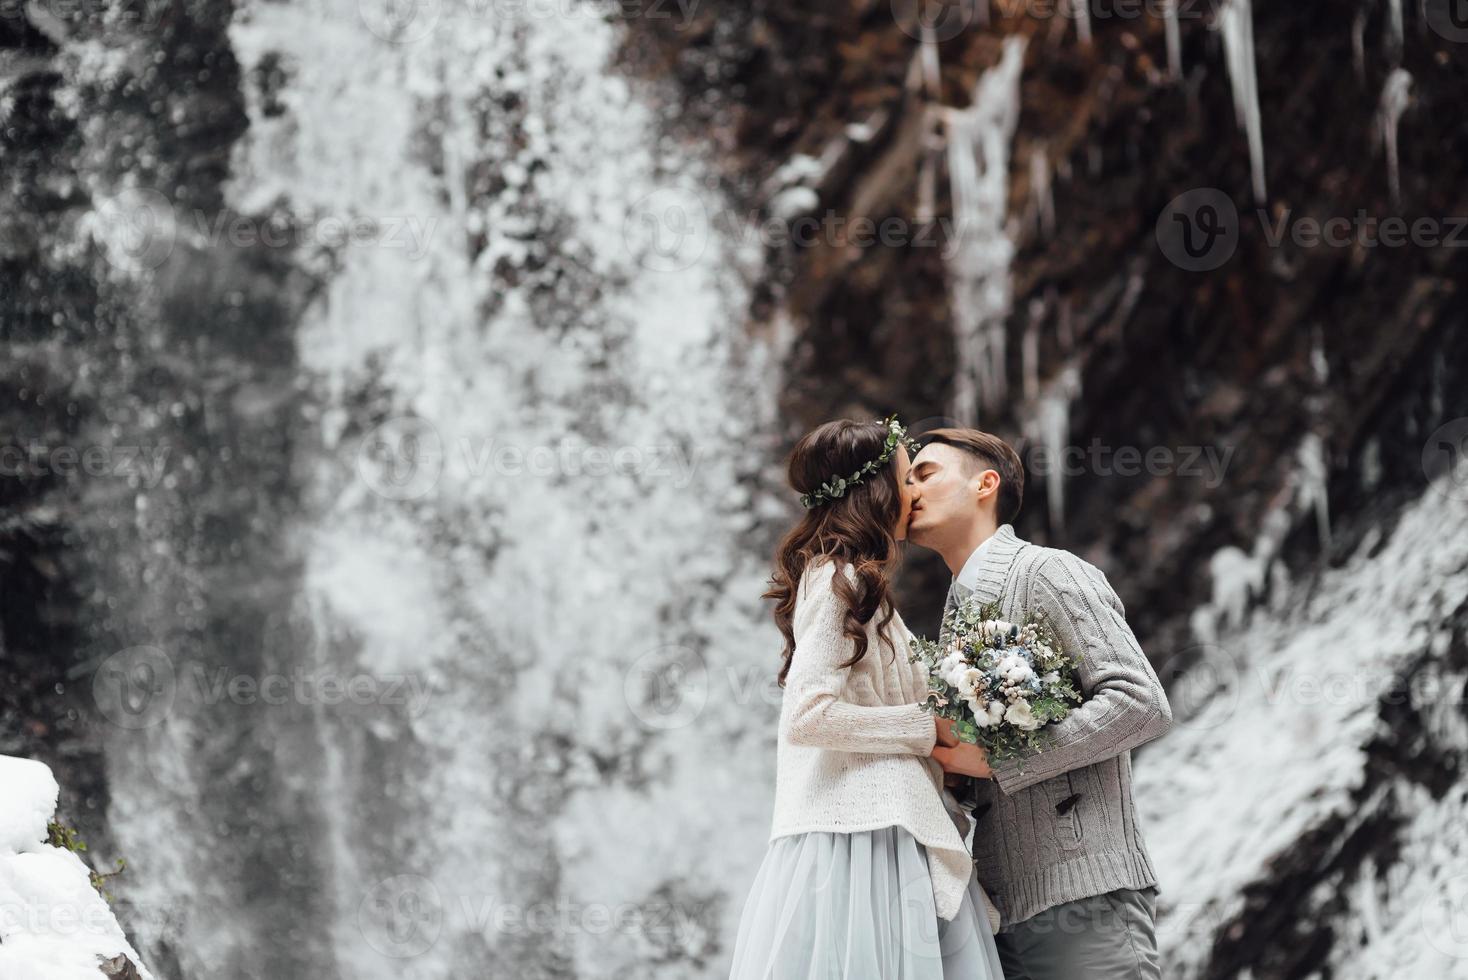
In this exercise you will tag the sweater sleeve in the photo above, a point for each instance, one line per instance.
(1124, 703)
(814, 712)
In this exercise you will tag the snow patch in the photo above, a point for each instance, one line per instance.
(53, 924)
(29, 801)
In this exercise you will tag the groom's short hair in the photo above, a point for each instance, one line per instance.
(989, 452)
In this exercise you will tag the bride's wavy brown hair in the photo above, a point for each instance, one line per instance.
(856, 530)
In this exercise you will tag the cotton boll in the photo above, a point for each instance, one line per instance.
(968, 683)
(1014, 669)
(987, 714)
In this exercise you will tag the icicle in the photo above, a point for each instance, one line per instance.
(1394, 31)
(1082, 10)
(1394, 96)
(1358, 45)
(978, 167)
(1052, 418)
(1174, 40)
(927, 202)
(1313, 486)
(1030, 350)
(1040, 191)
(932, 77)
(1237, 17)
(932, 120)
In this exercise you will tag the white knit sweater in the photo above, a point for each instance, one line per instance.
(854, 742)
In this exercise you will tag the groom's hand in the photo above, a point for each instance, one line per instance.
(964, 760)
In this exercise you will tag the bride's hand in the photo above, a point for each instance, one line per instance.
(945, 732)
(964, 759)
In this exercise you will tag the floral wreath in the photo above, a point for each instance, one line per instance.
(837, 486)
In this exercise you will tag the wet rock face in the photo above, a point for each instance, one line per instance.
(1227, 369)
(1298, 387)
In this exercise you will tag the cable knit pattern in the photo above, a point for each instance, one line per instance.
(852, 753)
(1059, 825)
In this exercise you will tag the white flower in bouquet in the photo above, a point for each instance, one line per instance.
(991, 629)
(987, 714)
(969, 680)
(1012, 667)
(1001, 683)
(1021, 716)
(952, 668)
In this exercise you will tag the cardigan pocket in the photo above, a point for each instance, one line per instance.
(1065, 808)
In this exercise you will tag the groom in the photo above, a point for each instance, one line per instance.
(1056, 842)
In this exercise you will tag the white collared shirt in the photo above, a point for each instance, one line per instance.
(968, 576)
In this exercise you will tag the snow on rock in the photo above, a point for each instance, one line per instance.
(53, 924)
(28, 803)
(1305, 812)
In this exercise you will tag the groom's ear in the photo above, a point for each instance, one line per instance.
(986, 484)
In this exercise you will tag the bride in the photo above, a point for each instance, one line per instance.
(866, 876)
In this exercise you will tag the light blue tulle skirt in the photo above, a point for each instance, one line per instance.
(828, 906)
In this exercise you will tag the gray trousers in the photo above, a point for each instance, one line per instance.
(1107, 937)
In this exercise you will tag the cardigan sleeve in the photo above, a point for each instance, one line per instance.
(814, 712)
(1124, 703)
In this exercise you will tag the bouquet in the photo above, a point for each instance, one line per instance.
(1000, 682)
